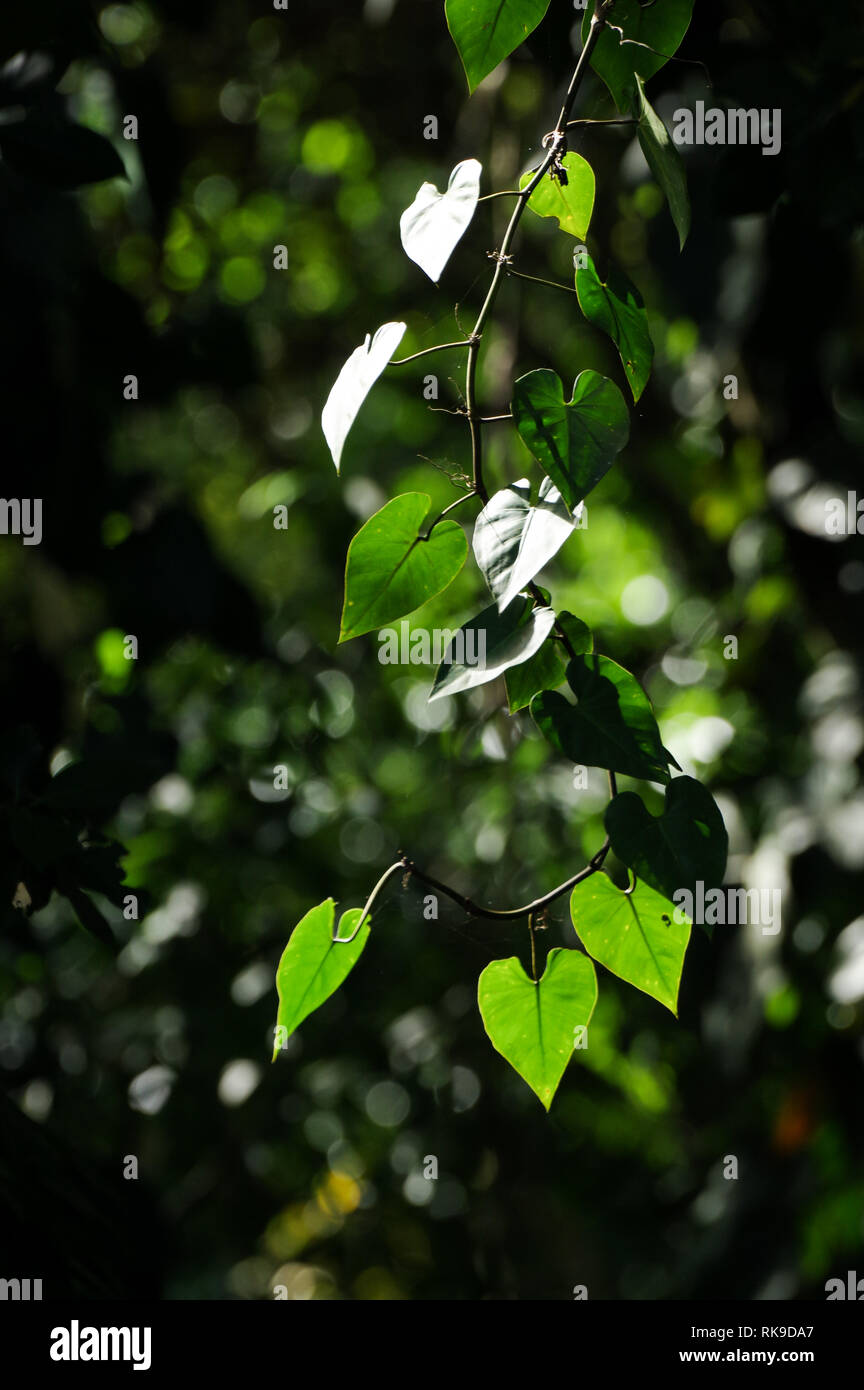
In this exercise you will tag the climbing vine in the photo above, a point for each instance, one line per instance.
(588, 707)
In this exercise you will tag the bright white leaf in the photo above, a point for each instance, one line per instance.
(513, 540)
(490, 644)
(435, 221)
(354, 383)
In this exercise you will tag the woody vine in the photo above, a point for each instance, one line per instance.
(398, 560)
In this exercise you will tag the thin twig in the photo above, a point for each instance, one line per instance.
(611, 120)
(439, 347)
(520, 275)
(555, 140)
(505, 193)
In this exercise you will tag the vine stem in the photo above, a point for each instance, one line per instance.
(387, 874)
(538, 280)
(440, 517)
(509, 914)
(553, 141)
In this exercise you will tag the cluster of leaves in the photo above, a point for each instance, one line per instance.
(37, 138)
(52, 841)
(394, 566)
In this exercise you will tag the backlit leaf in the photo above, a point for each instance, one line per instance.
(535, 1026)
(635, 935)
(354, 383)
(513, 540)
(490, 644)
(571, 202)
(434, 223)
(390, 571)
(313, 965)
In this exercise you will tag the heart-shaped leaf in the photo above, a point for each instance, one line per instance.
(685, 845)
(651, 36)
(513, 540)
(487, 31)
(547, 669)
(576, 441)
(572, 202)
(617, 308)
(664, 161)
(434, 223)
(534, 1025)
(635, 935)
(612, 725)
(391, 570)
(313, 965)
(489, 644)
(354, 383)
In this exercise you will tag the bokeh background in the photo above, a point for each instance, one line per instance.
(305, 128)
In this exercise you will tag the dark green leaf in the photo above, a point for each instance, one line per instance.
(100, 783)
(534, 1025)
(635, 935)
(390, 571)
(487, 31)
(43, 840)
(617, 308)
(664, 161)
(59, 153)
(89, 915)
(659, 27)
(576, 441)
(686, 844)
(548, 668)
(612, 725)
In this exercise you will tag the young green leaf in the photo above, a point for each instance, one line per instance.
(571, 202)
(390, 571)
(534, 1025)
(576, 441)
(313, 965)
(635, 935)
(664, 161)
(513, 540)
(353, 384)
(486, 32)
(548, 668)
(490, 644)
(617, 308)
(612, 725)
(686, 844)
(651, 36)
(434, 223)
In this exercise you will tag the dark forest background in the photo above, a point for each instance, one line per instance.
(151, 1037)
